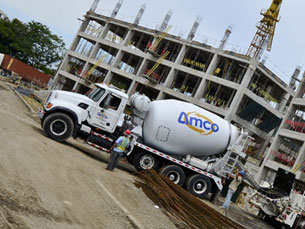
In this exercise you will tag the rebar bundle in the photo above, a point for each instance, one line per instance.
(184, 209)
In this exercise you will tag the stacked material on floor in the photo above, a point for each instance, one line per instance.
(185, 210)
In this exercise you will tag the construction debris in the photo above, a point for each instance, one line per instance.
(184, 209)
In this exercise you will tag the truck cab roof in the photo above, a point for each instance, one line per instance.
(112, 89)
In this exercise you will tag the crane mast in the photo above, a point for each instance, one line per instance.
(265, 31)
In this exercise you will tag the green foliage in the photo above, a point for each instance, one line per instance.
(32, 43)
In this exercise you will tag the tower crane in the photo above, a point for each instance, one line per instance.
(265, 31)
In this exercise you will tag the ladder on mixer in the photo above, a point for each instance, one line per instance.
(230, 161)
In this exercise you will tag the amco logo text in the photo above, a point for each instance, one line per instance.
(101, 115)
(198, 123)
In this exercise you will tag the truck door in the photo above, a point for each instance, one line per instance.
(106, 113)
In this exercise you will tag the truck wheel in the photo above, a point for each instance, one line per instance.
(144, 160)
(58, 126)
(198, 185)
(174, 173)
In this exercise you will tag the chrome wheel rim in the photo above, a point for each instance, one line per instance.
(58, 127)
(147, 162)
(174, 176)
(200, 186)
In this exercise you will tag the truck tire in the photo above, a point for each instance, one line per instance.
(174, 173)
(145, 160)
(58, 126)
(199, 185)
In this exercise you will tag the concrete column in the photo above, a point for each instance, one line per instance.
(267, 157)
(170, 78)
(128, 37)
(132, 88)
(181, 55)
(240, 92)
(76, 86)
(299, 157)
(84, 25)
(57, 76)
(289, 113)
(213, 64)
(105, 31)
(85, 69)
(268, 90)
(76, 38)
(283, 103)
(117, 59)
(264, 145)
(108, 77)
(142, 67)
(200, 89)
(77, 83)
(94, 51)
(301, 88)
(56, 82)
(160, 96)
(154, 40)
(262, 174)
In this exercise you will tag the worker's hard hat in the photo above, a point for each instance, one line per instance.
(127, 132)
(242, 172)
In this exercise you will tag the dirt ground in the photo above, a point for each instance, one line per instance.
(46, 184)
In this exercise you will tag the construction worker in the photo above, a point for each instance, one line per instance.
(232, 189)
(117, 150)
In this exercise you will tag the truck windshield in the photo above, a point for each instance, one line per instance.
(96, 94)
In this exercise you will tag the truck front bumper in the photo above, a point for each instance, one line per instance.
(40, 113)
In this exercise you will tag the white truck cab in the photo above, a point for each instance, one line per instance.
(107, 110)
(68, 113)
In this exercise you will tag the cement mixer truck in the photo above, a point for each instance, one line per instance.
(191, 146)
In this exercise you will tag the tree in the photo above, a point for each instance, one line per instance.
(32, 43)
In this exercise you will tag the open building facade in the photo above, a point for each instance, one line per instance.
(287, 150)
(236, 87)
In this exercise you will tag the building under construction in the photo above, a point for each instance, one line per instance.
(287, 150)
(134, 58)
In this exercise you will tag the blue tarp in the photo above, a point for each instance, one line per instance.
(23, 91)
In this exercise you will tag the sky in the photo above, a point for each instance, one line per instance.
(63, 17)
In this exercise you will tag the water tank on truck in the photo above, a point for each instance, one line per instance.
(180, 128)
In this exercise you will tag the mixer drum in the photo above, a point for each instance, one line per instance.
(181, 128)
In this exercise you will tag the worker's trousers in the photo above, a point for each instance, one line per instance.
(226, 204)
(114, 160)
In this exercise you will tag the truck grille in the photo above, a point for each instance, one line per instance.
(47, 100)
